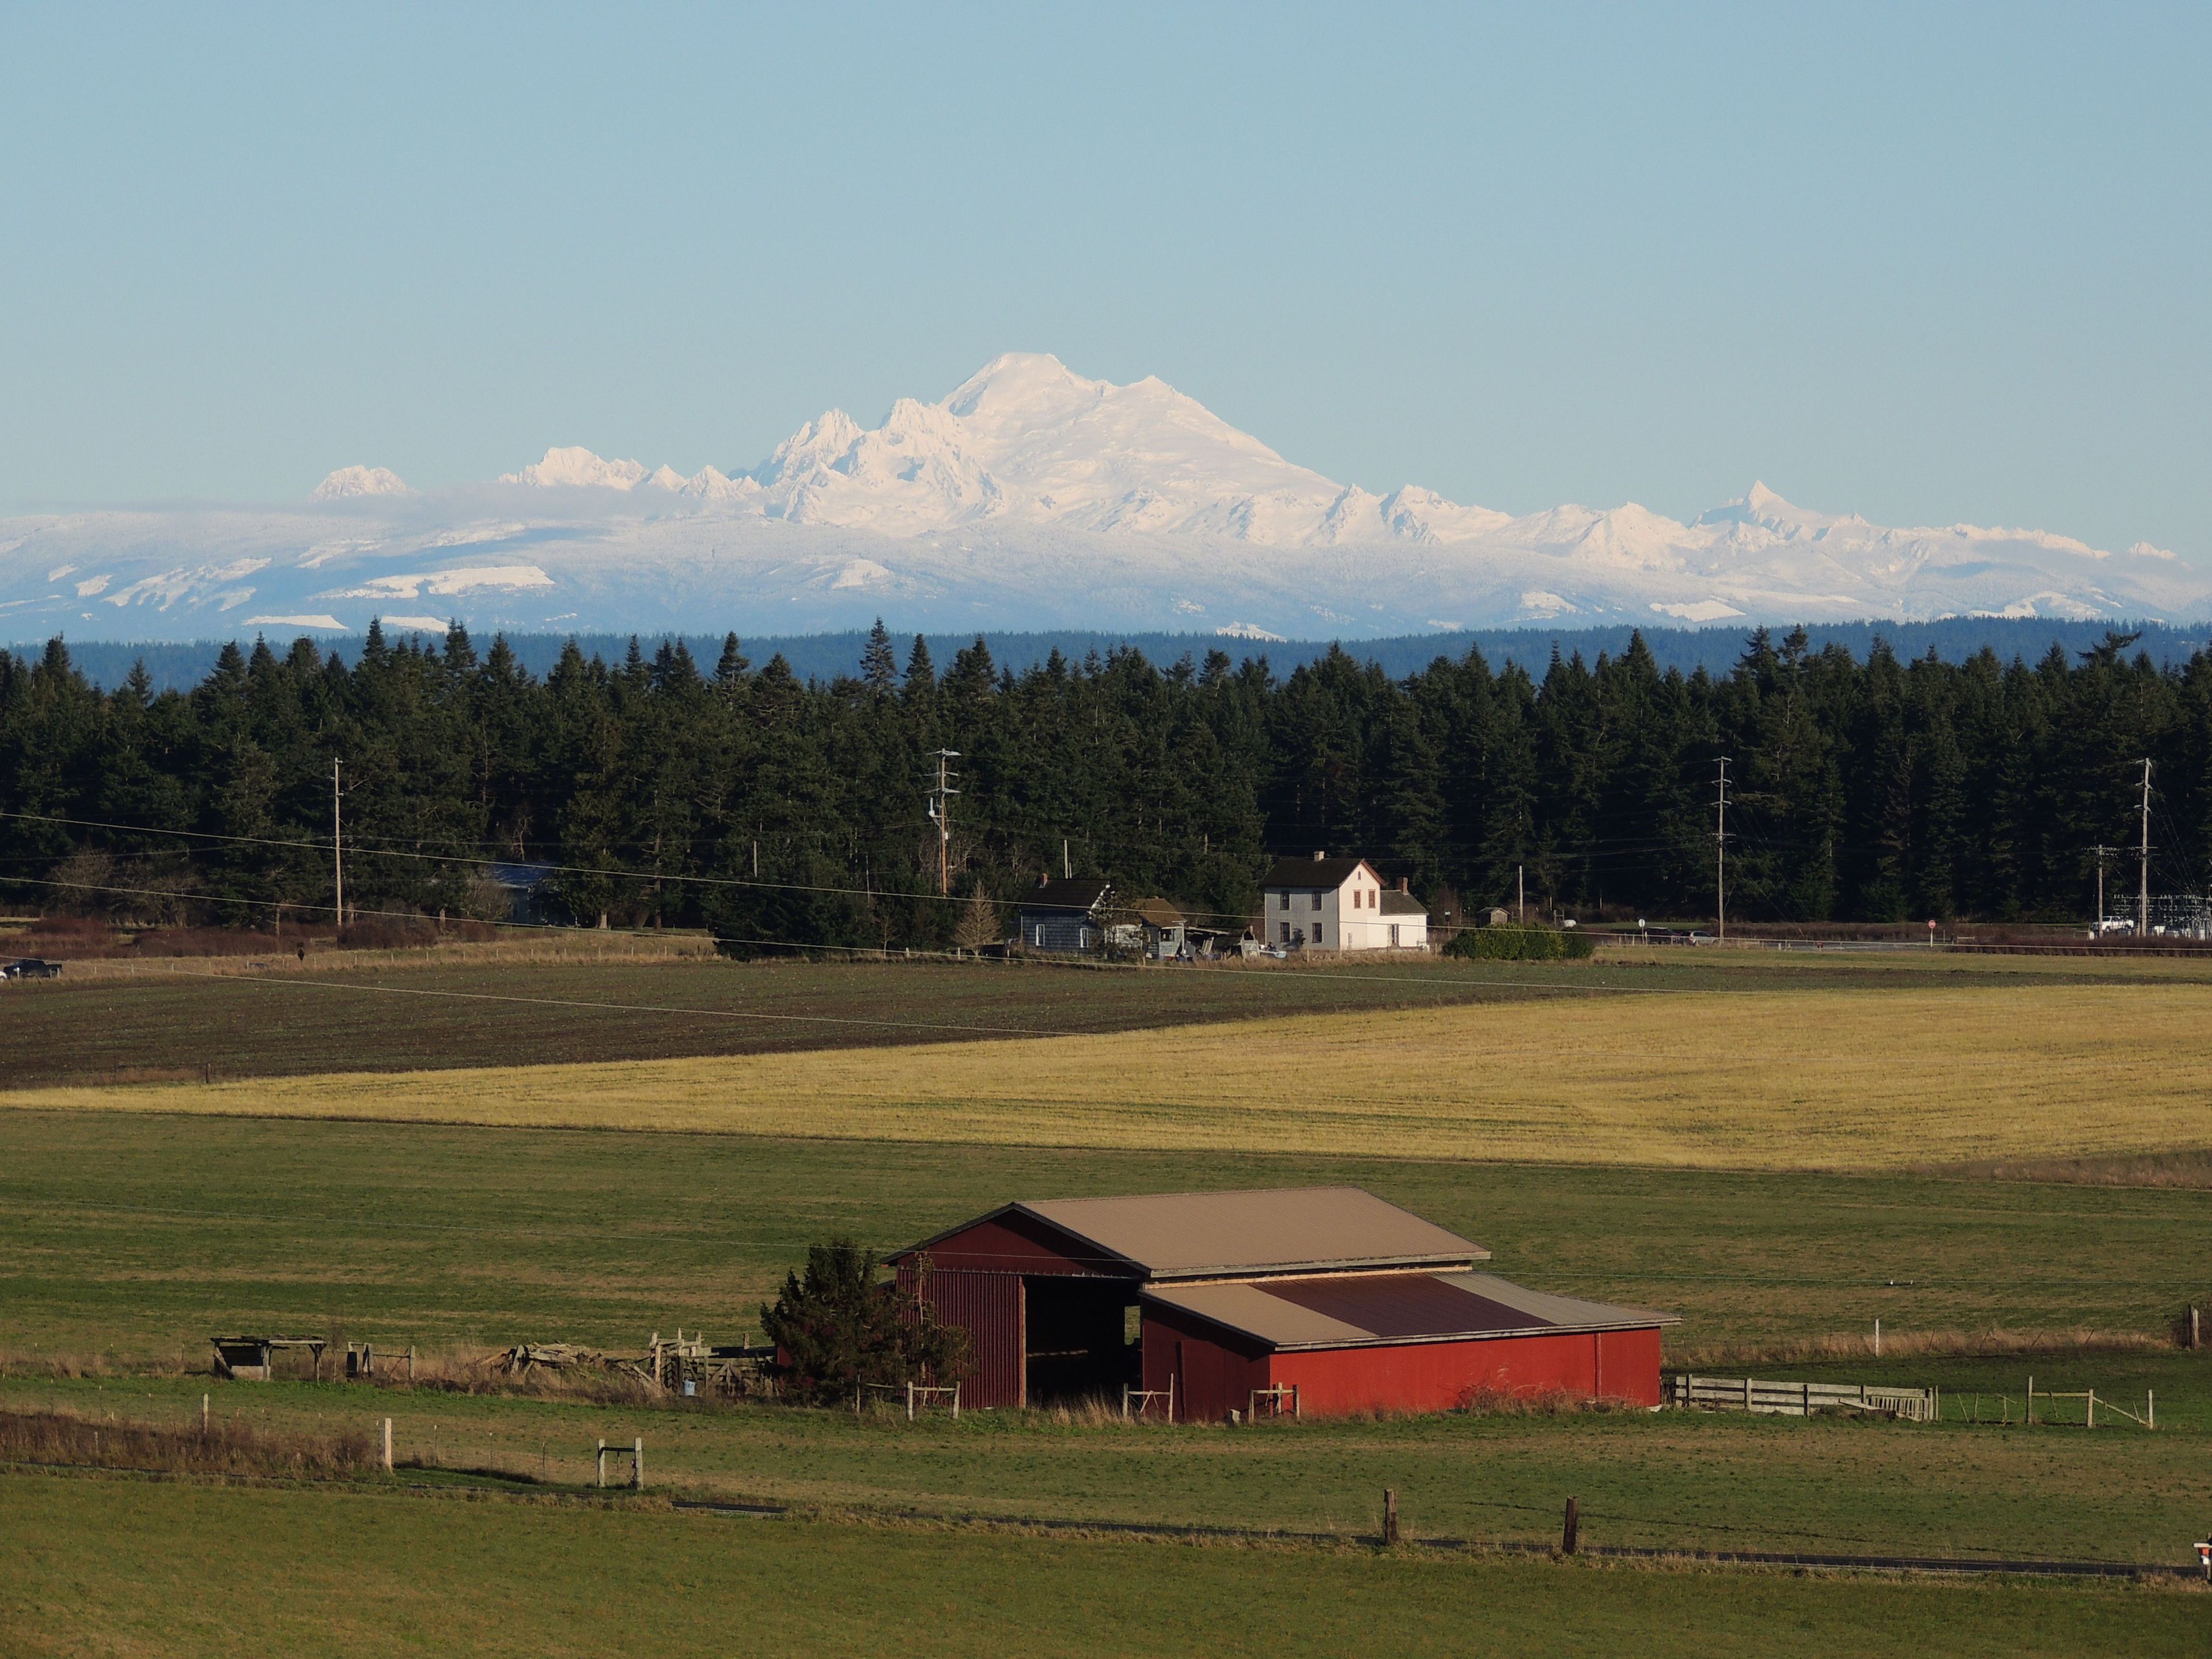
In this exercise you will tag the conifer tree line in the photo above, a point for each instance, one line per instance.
(1875, 790)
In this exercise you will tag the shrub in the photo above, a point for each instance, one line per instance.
(1521, 944)
(840, 1328)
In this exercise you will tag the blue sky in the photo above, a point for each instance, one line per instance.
(1927, 265)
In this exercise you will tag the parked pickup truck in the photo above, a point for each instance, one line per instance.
(30, 968)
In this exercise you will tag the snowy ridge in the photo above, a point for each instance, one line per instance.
(360, 480)
(1030, 496)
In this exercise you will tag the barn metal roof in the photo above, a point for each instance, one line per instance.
(1270, 1230)
(1376, 1309)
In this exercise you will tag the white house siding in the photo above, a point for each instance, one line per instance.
(1345, 917)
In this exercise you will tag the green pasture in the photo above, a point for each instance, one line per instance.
(1669, 1480)
(100, 1567)
(137, 1236)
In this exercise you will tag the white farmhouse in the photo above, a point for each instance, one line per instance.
(1323, 903)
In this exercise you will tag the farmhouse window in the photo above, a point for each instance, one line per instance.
(1285, 927)
(1316, 901)
(1393, 935)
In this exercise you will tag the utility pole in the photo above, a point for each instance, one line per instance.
(338, 844)
(940, 812)
(1520, 894)
(2142, 896)
(1720, 854)
(2102, 852)
(1066, 870)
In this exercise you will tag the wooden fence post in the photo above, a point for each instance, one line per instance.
(203, 1413)
(637, 1465)
(387, 1445)
(599, 1466)
(2196, 1328)
(2028, 1416)
(1389, 1515)
(1570, 1528)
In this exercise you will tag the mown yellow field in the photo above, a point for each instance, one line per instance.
(1780, 1080)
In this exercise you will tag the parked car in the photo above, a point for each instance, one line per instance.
(30, 968)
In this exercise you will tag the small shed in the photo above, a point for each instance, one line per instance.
(1405, 919)
(1065, 915)
(523, 886)
(1162, 931)
(1326, 1295)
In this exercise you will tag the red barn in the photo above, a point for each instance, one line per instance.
(1217, 1297)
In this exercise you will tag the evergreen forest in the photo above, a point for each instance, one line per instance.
(661, 790)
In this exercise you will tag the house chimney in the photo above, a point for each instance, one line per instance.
(1319, 856)
(1401, 884)
(1044, 877)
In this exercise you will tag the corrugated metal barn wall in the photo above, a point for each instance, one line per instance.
(989, 1307)
(1442, 1376)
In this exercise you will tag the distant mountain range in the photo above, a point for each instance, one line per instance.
(1029, 498)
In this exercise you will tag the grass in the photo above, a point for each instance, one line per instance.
(183, 1568)
(139, 1235)
(1801, 1110)
(1787, 1077)
(1672, 1480)
(231, 1446)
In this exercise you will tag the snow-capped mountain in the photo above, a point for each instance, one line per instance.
(360, 480)
(1029, 497)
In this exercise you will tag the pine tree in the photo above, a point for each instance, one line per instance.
(878, 667)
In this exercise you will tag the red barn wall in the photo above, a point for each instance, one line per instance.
(1214, 1372)
(990, 1308)
(1218, 1371)
(1435, 1377)
(975, 1282)
(1012, 1243)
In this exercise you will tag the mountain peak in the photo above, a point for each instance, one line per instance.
(578, 467)
(360, 480)
(1021, 386)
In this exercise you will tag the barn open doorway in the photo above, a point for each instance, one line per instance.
(1078, 1339)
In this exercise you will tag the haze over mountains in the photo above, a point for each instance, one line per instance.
(1031, 497)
